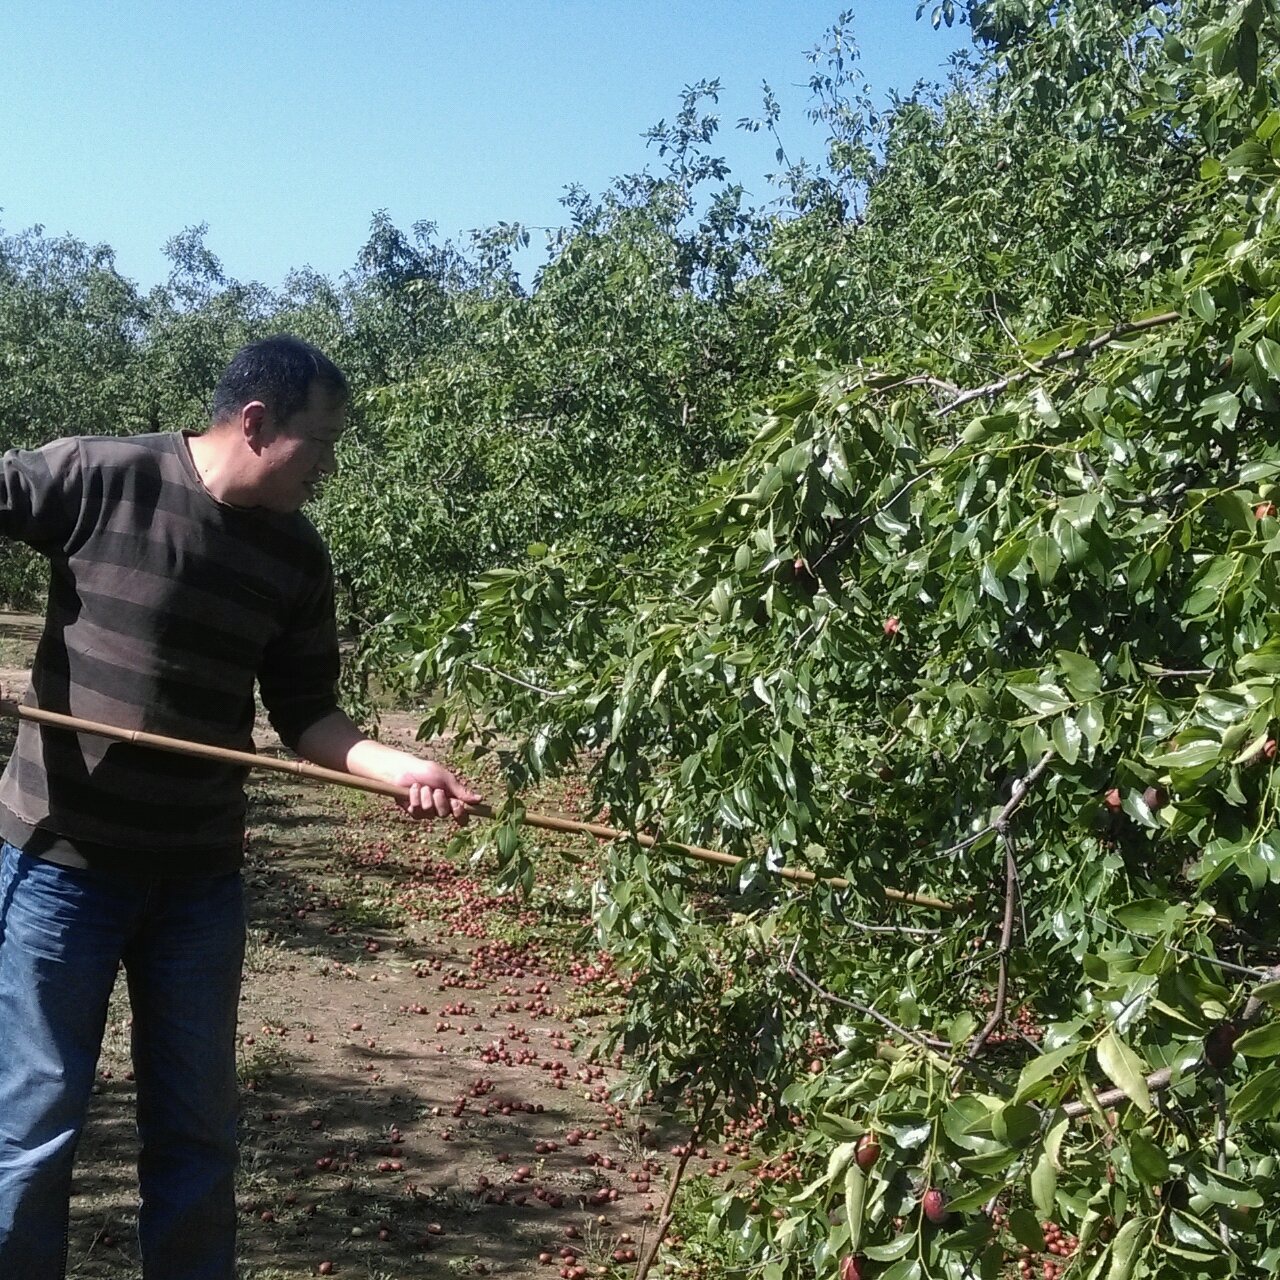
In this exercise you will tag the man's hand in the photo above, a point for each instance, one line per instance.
(336, 743)
(434, 792)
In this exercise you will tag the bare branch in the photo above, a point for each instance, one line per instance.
(524, 684)
(1160, 1080)
(921, 1042)
(1220, 1136)
(910, 930)
(1157, 1081)
(1020, 789)
(665, 1214)
(1006, 945)
(1079, 352)
(915, 380)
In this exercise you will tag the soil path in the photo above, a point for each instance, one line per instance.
(419, 1095)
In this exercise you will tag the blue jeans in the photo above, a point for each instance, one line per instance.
(63, 935)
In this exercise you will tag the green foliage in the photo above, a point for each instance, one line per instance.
(917, 530)
(985, 609)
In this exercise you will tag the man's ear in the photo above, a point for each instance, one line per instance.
(254, 422)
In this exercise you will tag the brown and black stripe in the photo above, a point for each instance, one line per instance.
(164, 608)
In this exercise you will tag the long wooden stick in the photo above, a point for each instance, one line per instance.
(304, 769)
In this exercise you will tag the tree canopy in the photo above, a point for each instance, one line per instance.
(916, 529)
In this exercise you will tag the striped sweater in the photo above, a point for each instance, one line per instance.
(164, 607)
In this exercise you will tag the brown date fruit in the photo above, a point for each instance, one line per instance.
(1264, 511)
(867, 1151)
(1114, 800)
(1220, 1045)
(934, 1205)
(853, 1267)
(1155, 798)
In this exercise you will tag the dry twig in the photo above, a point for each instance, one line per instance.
(930, 1043)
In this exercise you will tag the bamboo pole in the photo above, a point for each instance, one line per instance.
(304, 769)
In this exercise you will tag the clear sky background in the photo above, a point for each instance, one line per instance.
(284, 124)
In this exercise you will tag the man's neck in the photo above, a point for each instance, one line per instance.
(215, 467)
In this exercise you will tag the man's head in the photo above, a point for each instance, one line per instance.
(279, 408)
(280, 372)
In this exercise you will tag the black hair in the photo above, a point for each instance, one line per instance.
(280, 372)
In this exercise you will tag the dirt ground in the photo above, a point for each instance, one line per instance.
(420, 1095)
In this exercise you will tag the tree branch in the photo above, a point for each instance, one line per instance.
(1078, 352)
(1020, 789)
(921, 1042)
(915, 380)
(1160, 1080)
(524, 684)
(1006, 945)
(665, 1214)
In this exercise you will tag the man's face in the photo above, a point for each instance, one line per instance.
(298, 454)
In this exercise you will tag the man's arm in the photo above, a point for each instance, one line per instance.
(335, 743)
(40, 494)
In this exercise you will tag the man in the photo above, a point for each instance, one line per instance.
(182, 571)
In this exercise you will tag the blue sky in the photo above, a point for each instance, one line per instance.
(284, 124)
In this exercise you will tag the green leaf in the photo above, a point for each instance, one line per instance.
(1124, 1069)
(895, 1249)
(855, 1192)
(1127, 1248)
(1265, 659)
(1220, 1187)
(1189, 756)
(1025, 1229)
(1260, 1042)
(1151, 916)
(1256, 1099)
(1044, 1185)
(1042, 1068)
(976, 1198)
(1066, 738)
(1043, 407)
(1247, 55)
(1235, 509)
(1043, 699)
(1268, 992)
(839, 1158)
(1149, 1162)
(1046, 558)
(1080, 674)
(1247, 156)
(1015, 1124)
(907, 1269)
(1089, 718)
(1267, 354)
(1201, 302)
(1251, 749)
